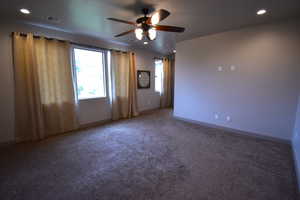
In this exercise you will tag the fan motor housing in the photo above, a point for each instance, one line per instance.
(142, 20)
(145, 27)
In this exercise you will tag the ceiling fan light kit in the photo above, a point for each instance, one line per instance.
(151, 34)
(147, 26)
(139, 33)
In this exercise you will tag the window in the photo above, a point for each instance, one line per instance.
(158, 76)
(89, 68)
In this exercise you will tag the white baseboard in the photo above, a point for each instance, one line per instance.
(237, 131)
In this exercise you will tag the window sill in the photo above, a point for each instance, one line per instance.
(93, 99)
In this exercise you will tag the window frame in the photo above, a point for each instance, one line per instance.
(105, 71)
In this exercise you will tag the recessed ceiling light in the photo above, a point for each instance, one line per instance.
(145, 42)
(25, 11)
(261, 12)
(174, 51)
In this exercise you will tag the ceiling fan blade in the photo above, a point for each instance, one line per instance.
(125, 33)
(169, 28)
(122, 21)
(158, 16)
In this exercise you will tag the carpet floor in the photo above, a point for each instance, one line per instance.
(151, 157)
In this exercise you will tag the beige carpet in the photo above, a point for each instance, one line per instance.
(150, 157)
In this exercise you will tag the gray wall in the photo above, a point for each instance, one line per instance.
(148, 99)
(297, 122)
(259, 96)
(89, 110)
(296, 142)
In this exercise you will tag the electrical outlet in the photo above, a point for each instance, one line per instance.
(216, 116)
(228, 118)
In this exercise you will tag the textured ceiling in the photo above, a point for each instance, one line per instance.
(199, 17)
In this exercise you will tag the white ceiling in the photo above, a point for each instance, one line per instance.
(199, 17)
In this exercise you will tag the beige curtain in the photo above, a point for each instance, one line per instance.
(166, 96)
(123, 88)
(45, 100)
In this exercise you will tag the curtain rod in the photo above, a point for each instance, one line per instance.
(74, 43)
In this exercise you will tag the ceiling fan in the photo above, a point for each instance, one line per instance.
(147, 26)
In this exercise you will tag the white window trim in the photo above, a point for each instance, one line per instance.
(105, 72)
(155, 77)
